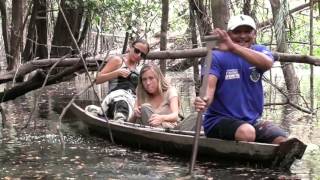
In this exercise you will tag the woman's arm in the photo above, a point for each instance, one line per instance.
(157, 119)
(111, 70)
(136, 112)
(174, 107)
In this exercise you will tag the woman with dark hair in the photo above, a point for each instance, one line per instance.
(122, 76)
(157, 102)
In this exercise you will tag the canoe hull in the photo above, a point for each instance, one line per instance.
(180, 143)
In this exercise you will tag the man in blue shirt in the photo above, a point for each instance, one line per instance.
(234, 95)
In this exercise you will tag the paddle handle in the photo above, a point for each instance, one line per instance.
(211, 42)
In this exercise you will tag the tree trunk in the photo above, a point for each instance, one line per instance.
(41, 29)
(29, 48)
(128, 34)
(163, 34)
(3, 10)
(126, 40)
(16, 33)
(246, 9)
(37, 33)
(195, 61)
(311, 39)
(291, 79)
(220, 13)
(203, 19)
(62, 42)
(96, 38)
(85, 29)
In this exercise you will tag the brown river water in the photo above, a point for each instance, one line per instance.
(32, 149)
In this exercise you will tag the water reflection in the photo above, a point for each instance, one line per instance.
(35, 152)
(93, 158)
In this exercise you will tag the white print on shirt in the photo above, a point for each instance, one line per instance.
(254, 75)
(232, 74)
(265, 52)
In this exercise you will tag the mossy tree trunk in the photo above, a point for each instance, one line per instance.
(290, 76)
(164, 30)
(62, 43)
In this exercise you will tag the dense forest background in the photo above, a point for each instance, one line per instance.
(45, 42)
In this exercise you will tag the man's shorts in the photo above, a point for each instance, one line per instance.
(226, 128)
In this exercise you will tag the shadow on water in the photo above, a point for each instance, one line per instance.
(35, 152)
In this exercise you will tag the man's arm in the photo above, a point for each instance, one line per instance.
(258, 59)
(201, 104)
(253, 57)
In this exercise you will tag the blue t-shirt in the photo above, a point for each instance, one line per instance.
(239, 92)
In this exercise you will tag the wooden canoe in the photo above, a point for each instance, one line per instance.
(179, 143)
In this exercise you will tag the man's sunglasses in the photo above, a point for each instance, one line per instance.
(137, 51)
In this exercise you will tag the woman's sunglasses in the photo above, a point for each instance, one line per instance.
(137, 51)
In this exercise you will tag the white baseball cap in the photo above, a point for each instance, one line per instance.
(240, 20)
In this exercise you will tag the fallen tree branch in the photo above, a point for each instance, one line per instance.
(201, 52)
(45, 64)
(37, 81)
(91, 63)
(170, 54)
(296, 58)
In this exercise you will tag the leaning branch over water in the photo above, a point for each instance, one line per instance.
(37, 81)
(46, 64)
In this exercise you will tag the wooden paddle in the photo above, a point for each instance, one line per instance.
(211, 42)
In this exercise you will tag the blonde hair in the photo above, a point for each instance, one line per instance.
(163, 84)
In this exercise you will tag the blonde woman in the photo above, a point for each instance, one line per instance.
(157, 102)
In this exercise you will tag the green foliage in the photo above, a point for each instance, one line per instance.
(134, 16)
(139, 17)
(178, 16)
(143, 17)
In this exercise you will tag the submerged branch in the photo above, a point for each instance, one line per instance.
(296, 106)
